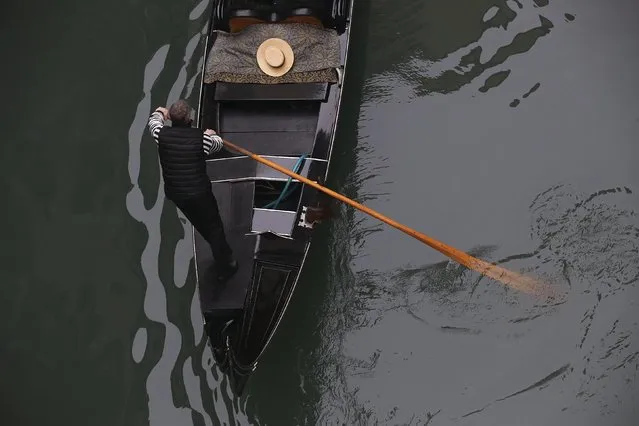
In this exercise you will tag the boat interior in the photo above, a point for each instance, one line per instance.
(235, 15)
(268, 216)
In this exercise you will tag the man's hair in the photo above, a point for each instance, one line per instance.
(180, 113)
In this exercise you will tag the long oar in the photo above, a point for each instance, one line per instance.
(498, 273)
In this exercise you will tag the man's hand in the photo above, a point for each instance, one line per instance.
(209, 132)
(164, 111)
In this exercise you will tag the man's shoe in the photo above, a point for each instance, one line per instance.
(223, 274)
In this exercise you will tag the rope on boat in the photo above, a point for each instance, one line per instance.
(273, 204)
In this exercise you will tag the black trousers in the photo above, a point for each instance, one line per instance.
(202, 211)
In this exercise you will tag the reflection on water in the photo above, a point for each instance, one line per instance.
(443, 47)
(183, 385)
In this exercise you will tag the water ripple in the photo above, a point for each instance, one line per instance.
(161, 406)
(588, 235)
(583, 241)
(199, 383)
(443, 62)
(587, 239)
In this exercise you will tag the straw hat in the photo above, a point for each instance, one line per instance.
(275, 57)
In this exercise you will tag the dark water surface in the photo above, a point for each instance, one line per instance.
(506, 129)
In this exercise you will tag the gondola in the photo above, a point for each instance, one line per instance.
(291, 120)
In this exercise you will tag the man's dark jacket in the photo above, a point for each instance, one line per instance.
(183, 162)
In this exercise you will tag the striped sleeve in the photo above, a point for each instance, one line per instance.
(212, 143)
(156, 122)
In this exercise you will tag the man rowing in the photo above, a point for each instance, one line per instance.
(183, 150)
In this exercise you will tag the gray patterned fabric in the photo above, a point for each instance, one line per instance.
(232, 58)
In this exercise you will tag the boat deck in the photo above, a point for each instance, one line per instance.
(281, 129)
(236, 204)
(235, 201)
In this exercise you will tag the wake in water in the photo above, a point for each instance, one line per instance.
(587, 241)
(586, 244)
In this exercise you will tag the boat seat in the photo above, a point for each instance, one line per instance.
(245, 168)
(304, 15)
(302, 11)
(245, 13)
(271, 92)
(242, 18)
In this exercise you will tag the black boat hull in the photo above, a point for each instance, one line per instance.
(294, 125)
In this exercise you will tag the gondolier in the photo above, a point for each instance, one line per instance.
(183, 150)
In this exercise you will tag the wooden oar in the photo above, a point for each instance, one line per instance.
(510, 278)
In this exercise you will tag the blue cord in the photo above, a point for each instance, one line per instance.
(284, 193)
